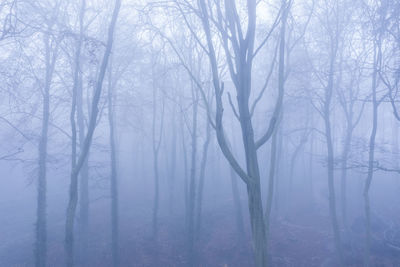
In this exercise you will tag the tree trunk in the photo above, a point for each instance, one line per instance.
(343, 178)
(114, 177)
(201, 181)
(271, 185)
(279, 172)
(253, 187)
(238, 205)
(185, 169)
(73, 191)
(257, 224)
(156, 175)
(329, 144)
(84, 182)
(371, 154)
(192, 182)
(331, 186)
(236, 196)
(41, 221)
(311, 174)
(292, 167)
(171, 180)
(156, 150)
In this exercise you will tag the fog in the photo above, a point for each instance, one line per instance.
(199, 133)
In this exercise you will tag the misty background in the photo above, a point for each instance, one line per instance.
(199, 133)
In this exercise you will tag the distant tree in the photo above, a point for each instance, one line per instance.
(157, 133)
(111, 99)
(375, 17)
(51, 48)
(331, 15)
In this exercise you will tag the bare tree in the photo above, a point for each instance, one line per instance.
(239, 47)
(377, 62)
(348, 94)
(73, 192)
(331, 17)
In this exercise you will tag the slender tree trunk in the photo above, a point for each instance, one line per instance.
(292, 167)
(84, 183)
(279, 172)
(271, 185)
(73, 191)
(114, 175)
(201, 180)
(331, 186)
(281, 86)
(343, 178)
(236, 195)
(156, 175)
(311, 173)
(41, 221)
(171, 180)
(84, 186)
(156, 150)
(156, 196)
(371, 154)
(395, 145)
(192, 182)
(238, 205)
(253, 187)
(329, 144)
(185, 169)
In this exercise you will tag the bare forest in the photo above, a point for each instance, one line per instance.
(199, 133)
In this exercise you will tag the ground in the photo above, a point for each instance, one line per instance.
(301, 240)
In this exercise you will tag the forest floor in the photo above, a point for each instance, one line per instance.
(301, 240)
